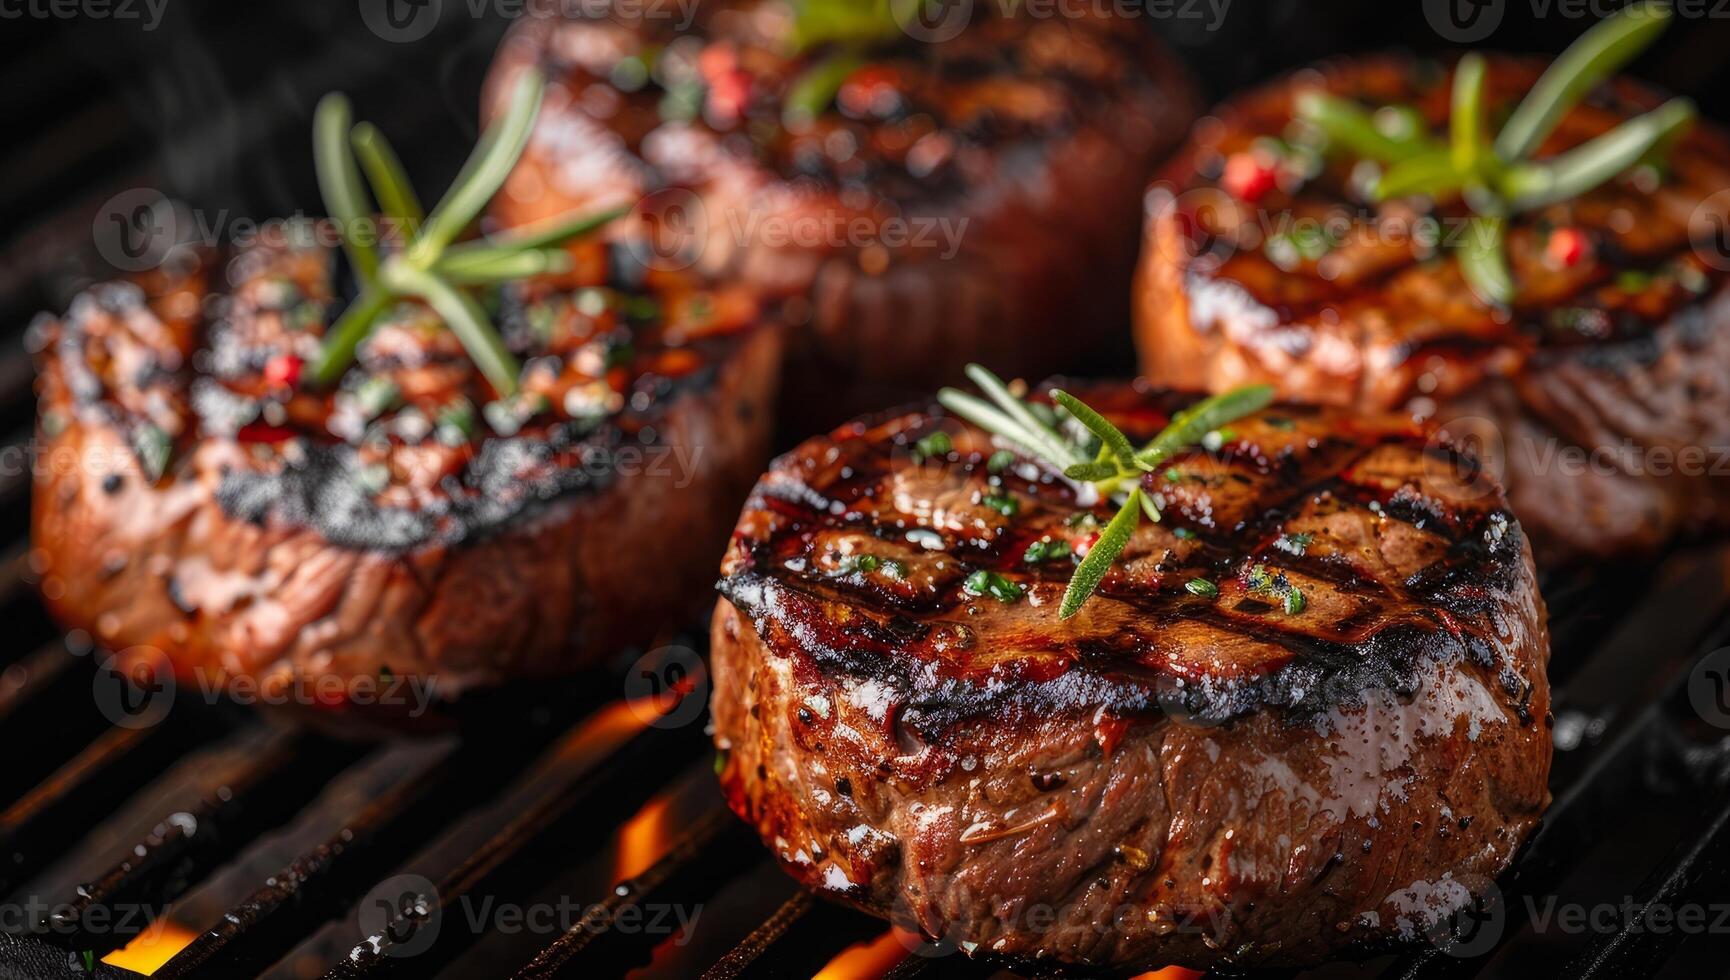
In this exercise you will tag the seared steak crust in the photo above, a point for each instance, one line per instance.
(958, 201)
(1176, 775)
(292, 533)
(1604, 394)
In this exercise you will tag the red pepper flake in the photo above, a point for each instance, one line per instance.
(1566, 247)
(1248, 177)
(283, 370)
(263, 432)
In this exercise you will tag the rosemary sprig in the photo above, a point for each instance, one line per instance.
(428, 267)
(1497, 179)
(1107, 463)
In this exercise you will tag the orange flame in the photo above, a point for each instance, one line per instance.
(870, 959)
(151, 948)
(1170, 973)
(643, 839)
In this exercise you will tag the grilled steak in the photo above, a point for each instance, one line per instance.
(1194, 769)
(191, 498)
(953, 201)
(1605, 387)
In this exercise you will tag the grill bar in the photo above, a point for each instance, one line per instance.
(287, 771)
(798, 940)
(47, 820)
(601, 796)
(1692, 877)
(713, 849)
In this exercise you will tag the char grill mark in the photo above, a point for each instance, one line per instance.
(833, 494)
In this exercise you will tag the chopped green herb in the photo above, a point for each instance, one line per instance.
(1294, 602)
(376, 395)
(1279, 422)
(992, 584)
(1294, 543)
(1081, 518)
(456, 423)
(1173, 475)
(860, 563)
(999, 461)
(935, 444)
(1002, 503)
(1046, 549)
(1633, 280)
(1202, 587)
(1184, 533)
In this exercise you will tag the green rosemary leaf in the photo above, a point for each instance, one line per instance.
(1484, 263)
(468, 321)
(1148, 508)
(479, 268)
(987, 417)
(1598, 54)
(339, 182)
(1195, 422)
(1090, 472)
(1431, 174)
(337, 351)
(1057, 449)
(1099, 558)
(484, 173)
(548, 234)
(390, 184)
(814, 91)
(843, 21)
(1353, 128)
(1466, 115)
(1567, 175)
(1111, 439)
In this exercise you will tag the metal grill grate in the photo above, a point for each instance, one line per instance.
(267, 851)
